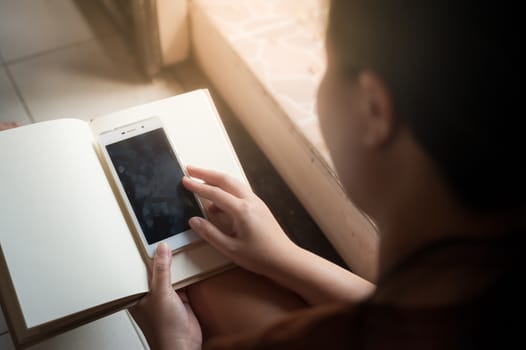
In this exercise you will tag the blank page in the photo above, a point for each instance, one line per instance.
(66, 243)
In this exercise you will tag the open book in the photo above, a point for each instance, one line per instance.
(67, 254)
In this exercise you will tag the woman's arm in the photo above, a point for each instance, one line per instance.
(242, 227)
(318, 280)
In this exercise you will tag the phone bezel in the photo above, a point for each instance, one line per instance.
(175, 242)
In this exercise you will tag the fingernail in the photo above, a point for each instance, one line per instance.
(163, 250)
(195, 221)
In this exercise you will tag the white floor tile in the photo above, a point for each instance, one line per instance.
(113, 332)
(117, 331)
(86, 80)
(5, 342)
(3, 325)
(11, 108)
(28, 27)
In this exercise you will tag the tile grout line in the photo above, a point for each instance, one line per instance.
(5, 64)
(45, 52)
(19, 94)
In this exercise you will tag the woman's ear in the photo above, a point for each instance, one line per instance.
(377, 108)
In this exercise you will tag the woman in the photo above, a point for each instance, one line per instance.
(412, 107)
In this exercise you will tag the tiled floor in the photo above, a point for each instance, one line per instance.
(113, 332)
(38, 26)
(60, 66)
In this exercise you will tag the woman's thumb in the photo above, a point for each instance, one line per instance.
(162, 261)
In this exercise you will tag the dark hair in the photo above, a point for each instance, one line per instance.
(449, 66)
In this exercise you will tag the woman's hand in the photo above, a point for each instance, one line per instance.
(241, 226)
(164, 316)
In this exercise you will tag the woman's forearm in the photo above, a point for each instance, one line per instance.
(319, 281)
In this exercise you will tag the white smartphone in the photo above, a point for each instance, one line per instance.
(148, 174)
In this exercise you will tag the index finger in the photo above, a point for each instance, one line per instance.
(224, 181)
(216, 195)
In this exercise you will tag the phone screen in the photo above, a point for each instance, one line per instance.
(151, 177)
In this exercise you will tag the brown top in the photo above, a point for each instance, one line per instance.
(488, 318)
